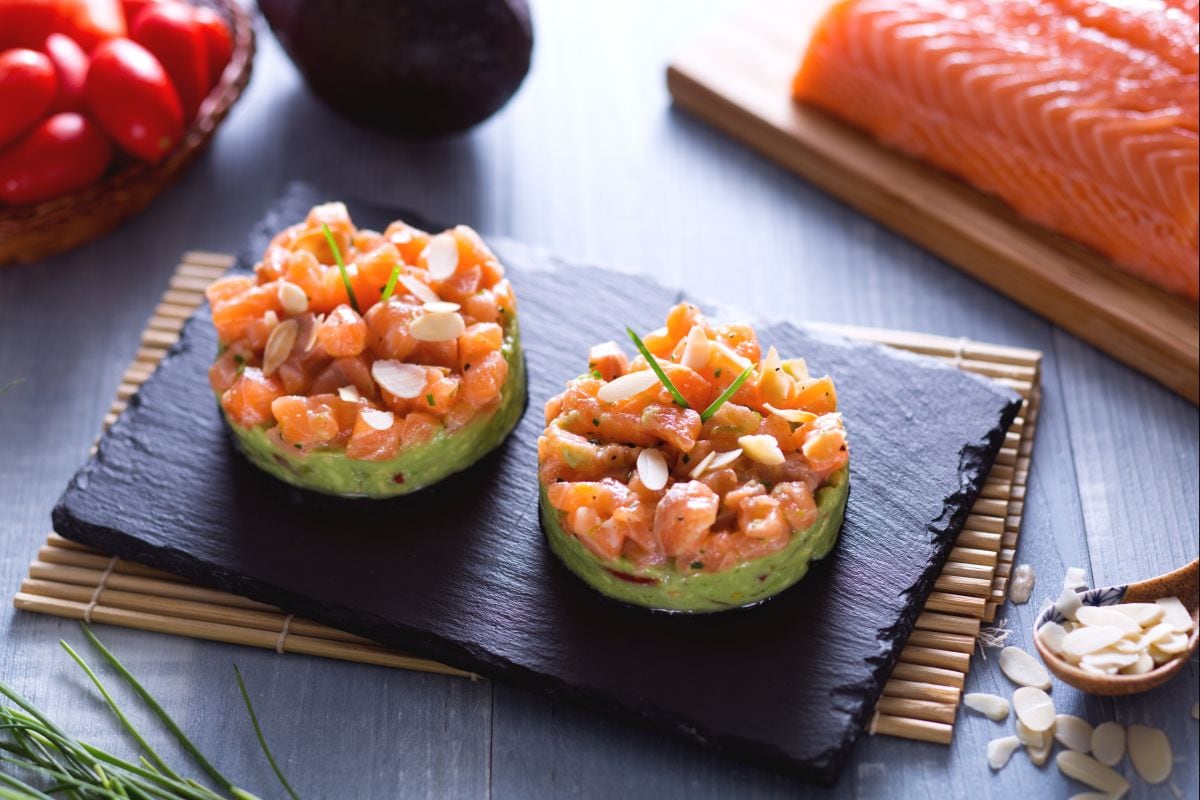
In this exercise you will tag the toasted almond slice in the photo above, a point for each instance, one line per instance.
(1040, 755)
(279, 345)
(1032, 738)
(1034, 708)
(652, 469)
(1150, 752)
(627, 385)
(797, 368)
(1106, 659)
(439, 327)
(418, 289)
(1073, 733)
(349, 394)
(1108, 743)
(1144, 614)
(999, 751)
(1051, 635)
(441, 256)
(726, 458)
(793, 415)
(440, 307)
(1173, 645)
(1091, 772)
(1102, 615)
(992, 706)
(704, 464)
(1020, 586)
(1023, 669)
(696, 349)
(379, 420)
(292, 298)
(1144, 664)
(1175, 613)
(1068, 603)
(761, 448)
(1076, 578)
(1088, 639)
(405, 381)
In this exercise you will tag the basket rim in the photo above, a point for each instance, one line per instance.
(213, 110)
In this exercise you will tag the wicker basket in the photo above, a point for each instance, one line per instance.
(30, 233)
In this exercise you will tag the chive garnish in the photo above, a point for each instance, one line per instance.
(429, 399)
(11, 384)
(658, 370)
(337, 256)
(391, 284)
(258, 732)
(728, 393)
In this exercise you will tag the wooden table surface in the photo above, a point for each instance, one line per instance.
(591, 161)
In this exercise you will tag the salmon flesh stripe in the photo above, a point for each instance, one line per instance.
(1080, 114)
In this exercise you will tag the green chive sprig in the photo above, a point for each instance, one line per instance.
(658, 370)
(341, 264)
(390, 288)
(729, 392)
(262, 740)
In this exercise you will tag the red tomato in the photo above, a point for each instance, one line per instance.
(27, 87)
(63, 154)
(27, 23)
(71, 66)
(130, 95)
(169, 32)
(218, 39)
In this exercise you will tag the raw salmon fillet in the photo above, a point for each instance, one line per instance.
(1080, 114)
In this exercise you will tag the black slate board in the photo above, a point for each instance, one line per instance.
(461, 572)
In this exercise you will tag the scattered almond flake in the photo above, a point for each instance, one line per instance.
(440, 307)
(349, 394)
(1087, 639)
(761, 448)
(726, 458)
(292, 298)
(1144, 614)
(271, 319)
(1173, 645)
(774, 384)
(1040, 755)
(1096, 616)
(1076, 578)
(734, 356)
(704, 464)
(797, 368)
(279, 345)
(1052, 634)
(441, 256)
(1073, 733)
(1068, 603)
(1091, 772)
(793, 415)
(1021, 584)
(403, 236)
(1175, 613)
(1144, 664)
(418, 289)
(1034, 708)
(439, 327)
(627, 386)
(652, 469)
(1032, 738)
(379, 420)
(405, 381)
(992, 706)
(1108, 743)
(999, 751)
(1106, 660)
(1091, 796)
(1150, 752)
(696, 349)
(1023, 669)
(311, 327)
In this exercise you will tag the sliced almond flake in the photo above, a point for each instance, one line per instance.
(627, 385)
(1108, 743)
(379, 420)
(1104, 615)
(696, 349)
(1158, 656)
(1091, 772)
(1107, 659)
(418, 289)
(1023, 669)
(704, 464)
(725, 459)
(1020, 585)
(310, 328)
(1173, 645)
(440, 307)
(1032, 738)
(1040, 755)
(793, 415)
(440, 327)
(1158, 633)
(734, 356)
(349, 394)
(1150, 752)
(1068, 603)
(405, 381)
(992, 706)
(1076, 578)
(1034, 708)
(1175, 613)
(652, 469)
(773, 382)
(797, 368)
(999, 751)
(1052, 634)
(441, 256)
(761, 448)
(292, 298)
(1091, 796)
(1073, 733)
(1144, 614)
(279, 345)
(1092, 668)
(1088, 639)
(1144, 664)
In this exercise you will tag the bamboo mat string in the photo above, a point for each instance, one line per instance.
(283, 633)
(101, 585)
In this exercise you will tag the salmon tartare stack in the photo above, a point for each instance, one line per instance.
(368, 364)
(701, 475)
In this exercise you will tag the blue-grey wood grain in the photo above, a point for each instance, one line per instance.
(591, 161)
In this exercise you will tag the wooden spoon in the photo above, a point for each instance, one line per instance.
(1182, 583)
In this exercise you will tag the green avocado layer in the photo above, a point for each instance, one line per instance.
(667, 589)
(332, 472)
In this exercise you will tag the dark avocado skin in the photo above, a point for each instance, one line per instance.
(411, 67)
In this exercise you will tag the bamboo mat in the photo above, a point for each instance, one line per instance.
(919, 701)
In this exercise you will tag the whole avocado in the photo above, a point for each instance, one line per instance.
(410, 67)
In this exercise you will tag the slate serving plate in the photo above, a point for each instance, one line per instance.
(461, 572)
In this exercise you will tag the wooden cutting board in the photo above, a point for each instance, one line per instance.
(738, 78)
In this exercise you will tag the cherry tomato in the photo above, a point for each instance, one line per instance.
(27, 23)
(71, 66)
(130, 95)
(169, 31)
(218, 39)
(27, 87)
(63, 154)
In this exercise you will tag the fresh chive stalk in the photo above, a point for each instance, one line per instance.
(390, 288)
(11, 384)
(341, 265)
(262, 740)
(729, 392)
(658, 370)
